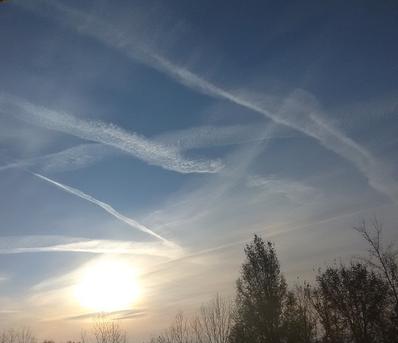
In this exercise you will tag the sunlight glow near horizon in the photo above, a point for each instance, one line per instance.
(107, 285)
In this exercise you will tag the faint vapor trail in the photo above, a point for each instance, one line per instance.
(108, 208)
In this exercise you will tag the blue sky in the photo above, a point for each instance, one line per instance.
(167, 133)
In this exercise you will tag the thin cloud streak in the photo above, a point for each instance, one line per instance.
(293, 190)
(151, 152)
(108, 208)
(211, 136)
(310, 122)
(39, 244)
(115, 315)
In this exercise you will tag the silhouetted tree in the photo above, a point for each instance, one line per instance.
(8, 336)
(299, 317)
(108, 331)
(332, 325)
(180, 331)
(213, 323)
(351, 303)
(23, 335)
(382, 259)
(261, 294)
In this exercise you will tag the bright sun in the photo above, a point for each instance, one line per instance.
(107, 285)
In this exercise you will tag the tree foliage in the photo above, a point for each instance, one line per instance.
(348, 303)
(351, 302)
(265, 310)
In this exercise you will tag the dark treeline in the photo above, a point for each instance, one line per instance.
(355, 302)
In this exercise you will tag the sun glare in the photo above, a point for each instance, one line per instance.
(107, 285)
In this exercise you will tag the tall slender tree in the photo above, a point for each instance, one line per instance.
(261, 293)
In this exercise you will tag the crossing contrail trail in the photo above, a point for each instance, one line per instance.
(298, 110)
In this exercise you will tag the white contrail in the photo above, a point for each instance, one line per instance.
(309, 122)
(84, 155)
(302, 115)
(108, 208)
(151, 152)
(299, 111)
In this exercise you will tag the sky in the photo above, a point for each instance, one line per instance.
(163, 135)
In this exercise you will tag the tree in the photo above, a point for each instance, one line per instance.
(178, 332)
(23, 335)
(108, 331)
(261, 293)
(300, 320)
(332, 325)
(9, 336)
(382, 259)
(351, 303)
(213, 323)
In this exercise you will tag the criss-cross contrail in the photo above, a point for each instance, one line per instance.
(298, 111)
(108, 208)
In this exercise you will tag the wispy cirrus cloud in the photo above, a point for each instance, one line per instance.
(151, 152)
(211, 136)
(80, 156)
(299, 110)
(293, 190)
